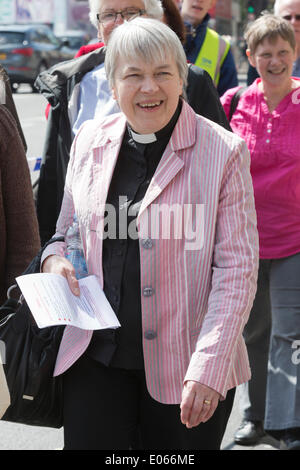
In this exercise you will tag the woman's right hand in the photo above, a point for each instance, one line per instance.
(59, 265)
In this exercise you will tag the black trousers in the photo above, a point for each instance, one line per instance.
(107, 408)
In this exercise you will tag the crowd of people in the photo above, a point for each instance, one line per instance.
(146, 114)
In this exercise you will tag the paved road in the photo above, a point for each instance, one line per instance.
(19, 437)
(31, 111)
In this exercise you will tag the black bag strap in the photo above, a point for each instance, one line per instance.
(234, 101)
(11, 303)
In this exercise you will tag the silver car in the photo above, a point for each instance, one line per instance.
(27, 50)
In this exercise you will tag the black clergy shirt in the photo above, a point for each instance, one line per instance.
(133, 172)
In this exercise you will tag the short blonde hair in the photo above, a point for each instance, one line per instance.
(269, 27)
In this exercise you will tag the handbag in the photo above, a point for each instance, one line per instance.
(30, 356)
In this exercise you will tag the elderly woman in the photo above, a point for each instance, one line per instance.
(182, 291)
(268, 118)
(77, 90)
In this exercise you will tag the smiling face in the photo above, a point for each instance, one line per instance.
(274, 61)
(194, 11)
(148, 94)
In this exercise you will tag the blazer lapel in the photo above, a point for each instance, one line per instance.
(167, 169)
(183, 136)
(106, 150)
(105, 159)
(105, 156)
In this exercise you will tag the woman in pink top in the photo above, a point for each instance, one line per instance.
(268, 118)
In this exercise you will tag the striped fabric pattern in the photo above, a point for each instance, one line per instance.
(202, 292)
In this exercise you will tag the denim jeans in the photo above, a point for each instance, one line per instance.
(272, 335)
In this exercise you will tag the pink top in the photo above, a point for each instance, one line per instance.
(273, 141)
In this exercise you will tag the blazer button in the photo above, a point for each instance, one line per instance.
(150, 334)
(147, 243)
(148, 291)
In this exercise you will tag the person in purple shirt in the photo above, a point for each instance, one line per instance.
(268, 118)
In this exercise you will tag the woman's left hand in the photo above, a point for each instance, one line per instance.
(198, 403)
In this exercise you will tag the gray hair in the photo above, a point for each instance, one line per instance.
(147, 39)
(277, 5)
(153, 9)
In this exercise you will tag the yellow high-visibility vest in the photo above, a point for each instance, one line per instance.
(212, 54)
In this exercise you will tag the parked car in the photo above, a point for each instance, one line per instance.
(27, 50)
(74, 39)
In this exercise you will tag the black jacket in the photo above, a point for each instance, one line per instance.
(57, 85)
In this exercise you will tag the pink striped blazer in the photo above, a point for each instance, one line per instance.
(196, 297)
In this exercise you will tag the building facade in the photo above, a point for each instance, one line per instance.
(61, 15)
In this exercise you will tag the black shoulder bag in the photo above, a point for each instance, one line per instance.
(234, 101)
(29, 359)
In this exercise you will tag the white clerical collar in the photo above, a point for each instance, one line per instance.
(143, 138)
